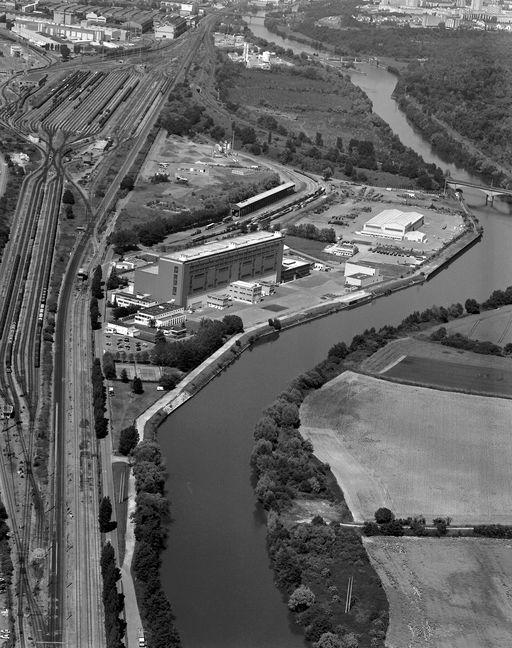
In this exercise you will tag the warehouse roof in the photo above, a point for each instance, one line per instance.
(394, 217)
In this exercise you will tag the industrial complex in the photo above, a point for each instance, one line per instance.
(189, 276)
(393, 223)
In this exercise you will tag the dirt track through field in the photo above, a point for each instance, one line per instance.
(446, 593)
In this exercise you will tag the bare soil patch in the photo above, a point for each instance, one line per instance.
(413, 449)
(451, 593)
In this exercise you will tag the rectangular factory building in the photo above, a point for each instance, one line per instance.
(263, 199)
(188, 276)
(393, 223)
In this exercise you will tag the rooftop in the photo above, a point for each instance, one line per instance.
(160, 309)
(244, 284)
(394, 217)
(265, 194)
(217, 247)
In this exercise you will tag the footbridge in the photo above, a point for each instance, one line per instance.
(490, 192)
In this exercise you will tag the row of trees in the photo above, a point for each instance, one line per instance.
(97, 283)
(151, 518)
(310, 231)
(113, 601)
(99, 397)
(460, 341)
(105, 515)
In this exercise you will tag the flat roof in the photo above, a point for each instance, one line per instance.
(358, 275)
(394, 217)
(217, 247)
(265, 194)
(244, 284)
(295, 263)
(160, 309)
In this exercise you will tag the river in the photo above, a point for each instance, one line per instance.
(216, 570)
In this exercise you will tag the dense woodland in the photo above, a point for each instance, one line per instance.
(460, 80)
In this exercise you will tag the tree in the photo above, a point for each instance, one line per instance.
(128, 440)
(169, 381)
(69, 212)
(109, 366)
(127, 183)
(137, 387)
(301, 598)
(383, 515)
(65, 52)
(327, 173)
(328, 640)
(68, 198)
(233, 324)
(104, 514)
(472, 306)
(124, 376)
(319, 139)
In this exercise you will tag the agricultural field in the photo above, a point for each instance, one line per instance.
(494, 326)
(415, 450)
(445, 593)
(433, 365)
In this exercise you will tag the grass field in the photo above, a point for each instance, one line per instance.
(125, 406)
(413, 449)
(445, 593)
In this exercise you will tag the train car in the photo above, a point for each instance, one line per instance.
(263, 199)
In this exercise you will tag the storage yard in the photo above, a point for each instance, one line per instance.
(417, 451)
(452, 593)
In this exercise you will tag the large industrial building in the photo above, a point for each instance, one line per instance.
(189, 276)
(393, 223)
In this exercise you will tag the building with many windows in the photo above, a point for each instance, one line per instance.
(188, 276)
(166, 314)
(245, 291)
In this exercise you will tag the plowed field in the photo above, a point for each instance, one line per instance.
(450, 593)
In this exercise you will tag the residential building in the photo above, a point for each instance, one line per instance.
(190, 275)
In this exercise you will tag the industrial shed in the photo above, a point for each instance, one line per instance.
(393, 223)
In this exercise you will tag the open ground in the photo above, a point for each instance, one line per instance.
(415, 450)
(445, 593)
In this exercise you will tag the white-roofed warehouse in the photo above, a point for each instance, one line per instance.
(393, 223)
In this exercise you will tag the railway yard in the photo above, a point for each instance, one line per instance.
(53, 513)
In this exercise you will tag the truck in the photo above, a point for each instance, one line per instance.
(110, 391)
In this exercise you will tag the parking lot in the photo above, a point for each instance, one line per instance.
(115, 342)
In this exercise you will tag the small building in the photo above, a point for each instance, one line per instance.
(218, 301)
(125, 299)
(244, 291)
(393, 223)
(416, 237)
(122, 329)
(358, 275)
(267, 288)
(294, 269)
(124, 265)
(342, 249)
(165, 314)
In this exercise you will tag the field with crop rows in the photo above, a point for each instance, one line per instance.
(445, 593)
(413, 449)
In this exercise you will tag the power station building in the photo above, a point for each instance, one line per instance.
(393, 223)
(189, 276)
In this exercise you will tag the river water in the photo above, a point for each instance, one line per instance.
(216, 571)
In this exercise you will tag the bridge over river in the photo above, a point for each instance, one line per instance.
(490, 192)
